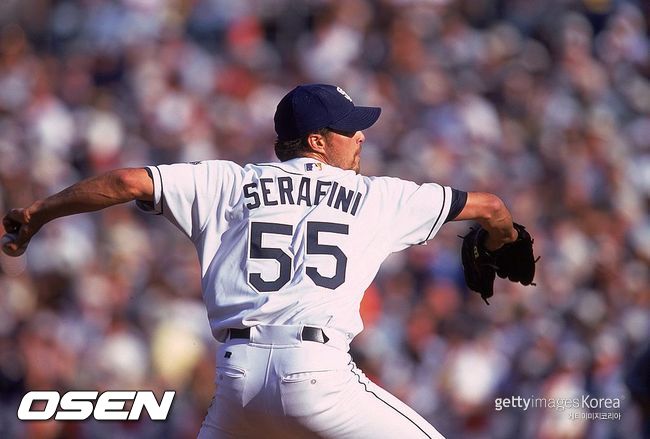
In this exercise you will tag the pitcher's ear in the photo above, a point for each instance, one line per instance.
(317, 142)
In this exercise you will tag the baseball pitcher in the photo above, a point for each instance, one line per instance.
(286, 251)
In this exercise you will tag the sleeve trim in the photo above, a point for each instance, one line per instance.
(457, 204)
(153, 207)
(442, 208)
(159, 192)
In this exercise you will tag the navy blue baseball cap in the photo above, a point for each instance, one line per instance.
(308, 108)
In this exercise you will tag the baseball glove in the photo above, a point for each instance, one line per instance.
(514, 261)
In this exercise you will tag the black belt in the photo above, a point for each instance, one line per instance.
(309, 333)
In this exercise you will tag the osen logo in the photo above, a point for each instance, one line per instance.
(80, 405)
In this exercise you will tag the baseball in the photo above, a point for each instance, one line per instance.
(9, 238)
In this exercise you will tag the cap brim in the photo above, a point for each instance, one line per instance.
(357, 120)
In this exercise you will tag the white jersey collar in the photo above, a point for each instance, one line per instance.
(307, 166)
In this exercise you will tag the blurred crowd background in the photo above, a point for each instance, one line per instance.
(545, 103)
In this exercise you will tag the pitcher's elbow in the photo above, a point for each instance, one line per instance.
(126, 184)
(493, 206)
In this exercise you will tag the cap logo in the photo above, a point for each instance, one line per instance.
(345, 95)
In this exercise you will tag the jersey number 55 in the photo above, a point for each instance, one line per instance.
(258, 251)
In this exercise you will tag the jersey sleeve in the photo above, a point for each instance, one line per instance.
(420, 211)
(458, 201)
(188, 194)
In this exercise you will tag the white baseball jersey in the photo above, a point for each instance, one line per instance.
(296, 242)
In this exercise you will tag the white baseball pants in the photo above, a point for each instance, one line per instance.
(275, 385)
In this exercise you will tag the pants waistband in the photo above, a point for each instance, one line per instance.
(290, 335)
(308, 333)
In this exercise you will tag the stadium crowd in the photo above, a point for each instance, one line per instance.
(546, 104)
